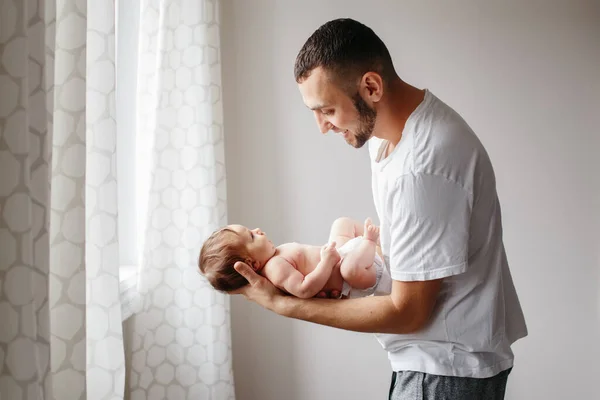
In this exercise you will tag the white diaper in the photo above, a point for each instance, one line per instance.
(383, 283)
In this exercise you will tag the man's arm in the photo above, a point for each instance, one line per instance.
(429, 239)
(407, 309)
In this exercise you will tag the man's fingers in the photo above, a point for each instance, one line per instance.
(247, 272)
(241, 290)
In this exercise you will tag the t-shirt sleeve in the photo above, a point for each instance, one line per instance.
(429, 228)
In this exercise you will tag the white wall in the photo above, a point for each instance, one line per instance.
(525, 75)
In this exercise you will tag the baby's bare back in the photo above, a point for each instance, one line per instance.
(305, 259)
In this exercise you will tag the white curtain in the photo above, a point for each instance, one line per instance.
(60, 312)
(181, 345)
(60, 319)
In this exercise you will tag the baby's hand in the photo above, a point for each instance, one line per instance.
(329, 253)
(371, 231)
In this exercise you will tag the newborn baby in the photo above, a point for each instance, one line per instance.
(354, 269)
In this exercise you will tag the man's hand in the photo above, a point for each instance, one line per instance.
(329, 294)
(260, 289)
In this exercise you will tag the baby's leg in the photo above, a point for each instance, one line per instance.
(344, 229)
(357, 266)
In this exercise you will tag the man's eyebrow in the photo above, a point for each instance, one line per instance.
(318, 107)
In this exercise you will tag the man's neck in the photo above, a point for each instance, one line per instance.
(395, 110)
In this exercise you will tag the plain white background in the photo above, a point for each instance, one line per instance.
(525, 75)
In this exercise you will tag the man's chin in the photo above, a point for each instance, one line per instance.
(357, 144)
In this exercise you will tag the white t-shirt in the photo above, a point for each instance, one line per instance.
(439, 214)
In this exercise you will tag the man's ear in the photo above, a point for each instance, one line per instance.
(371, 87)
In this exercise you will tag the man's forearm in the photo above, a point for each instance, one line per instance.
(374, 314)
(407, 309)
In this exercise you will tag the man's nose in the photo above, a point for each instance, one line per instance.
(324, 125)
(327, 128)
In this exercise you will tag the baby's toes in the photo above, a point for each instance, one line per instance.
(368, 232)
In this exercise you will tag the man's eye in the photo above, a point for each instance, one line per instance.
(327, 112)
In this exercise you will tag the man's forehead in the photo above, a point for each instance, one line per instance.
(317, 90)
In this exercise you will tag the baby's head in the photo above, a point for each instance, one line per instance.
(229, 245)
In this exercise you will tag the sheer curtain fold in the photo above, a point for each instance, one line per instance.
(181, 335)
(60, 308)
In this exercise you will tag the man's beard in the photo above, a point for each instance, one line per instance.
(366, 117)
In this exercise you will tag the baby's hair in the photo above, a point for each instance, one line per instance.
(218, 255)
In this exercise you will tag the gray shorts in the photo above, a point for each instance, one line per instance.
(410, 385)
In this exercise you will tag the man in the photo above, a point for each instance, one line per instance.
(453, 312)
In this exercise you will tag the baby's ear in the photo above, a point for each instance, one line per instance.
(252, 264)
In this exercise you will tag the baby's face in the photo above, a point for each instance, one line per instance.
(259, 246)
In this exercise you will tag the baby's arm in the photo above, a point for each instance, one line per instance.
(357, 266)
(283, 274)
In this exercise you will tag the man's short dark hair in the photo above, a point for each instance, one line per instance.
(346, 48)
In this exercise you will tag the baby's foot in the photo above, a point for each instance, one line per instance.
(371, 231)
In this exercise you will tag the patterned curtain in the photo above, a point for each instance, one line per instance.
(60, 330)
